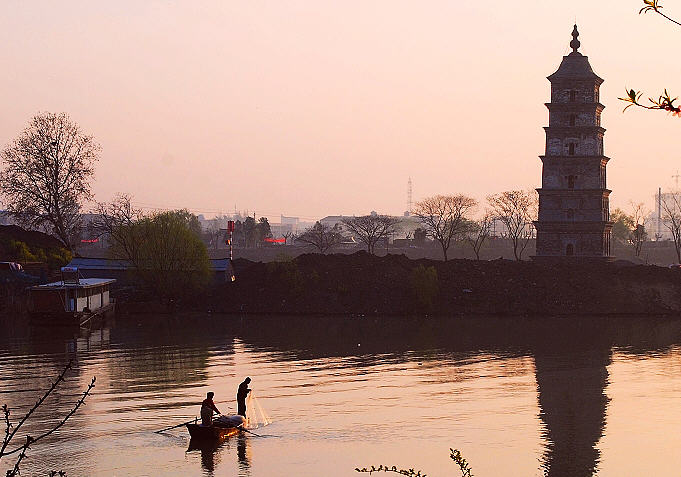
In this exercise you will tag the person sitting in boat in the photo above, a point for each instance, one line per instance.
(241, 397)
(207, 409)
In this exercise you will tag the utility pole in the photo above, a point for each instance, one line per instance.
(659, 211)
(409, 196)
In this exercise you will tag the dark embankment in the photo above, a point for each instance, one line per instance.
(364, 284)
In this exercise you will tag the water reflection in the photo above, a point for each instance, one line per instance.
(243, 454)
(572, 406)
(210, 456)
(211, 453)
(460, 376)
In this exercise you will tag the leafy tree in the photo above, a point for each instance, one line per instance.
(425, 284)
(165, 253)
(191, 221)
(370, 229)
(516, 209)
(321, 236)
(250, 232)
(239, 236)
(47, 173)
(262, 230)
(444, 217)
(420, 235)
(622, 225)
(630, 228)
(664, 101)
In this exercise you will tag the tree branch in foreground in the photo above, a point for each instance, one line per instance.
(665, 102)
(11, 430)
(454, 454)
(654, 6)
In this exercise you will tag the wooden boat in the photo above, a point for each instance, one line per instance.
(71, 301)
(210, 433)
(222, 428)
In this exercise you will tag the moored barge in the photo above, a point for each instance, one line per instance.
(71, 301)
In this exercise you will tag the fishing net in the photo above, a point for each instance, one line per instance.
(256, 415)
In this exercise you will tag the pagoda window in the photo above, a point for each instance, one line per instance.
(571, 149)
(570, 250)
(571, 182)
(573, 96)
(572, 119)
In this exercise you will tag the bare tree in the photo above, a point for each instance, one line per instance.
(638, 231)
(321, 236)
(214, 233)
(516, 209)
(478, 232)
(47, 173)
(288, 235)
(444, 217)
(671, 210)
(115, 222)
(9, 447)
(369, 229)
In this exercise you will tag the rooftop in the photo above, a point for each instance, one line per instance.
(575, 65)
(83, 283)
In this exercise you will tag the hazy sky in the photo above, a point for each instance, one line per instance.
(318, 107)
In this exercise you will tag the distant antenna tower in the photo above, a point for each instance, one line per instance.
(409, 191)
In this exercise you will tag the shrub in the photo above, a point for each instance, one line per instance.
(425, 285)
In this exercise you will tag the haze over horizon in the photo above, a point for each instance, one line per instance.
(313, 108)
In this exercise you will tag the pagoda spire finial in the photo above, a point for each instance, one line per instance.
(574, 44)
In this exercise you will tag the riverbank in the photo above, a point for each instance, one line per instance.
(396, 285)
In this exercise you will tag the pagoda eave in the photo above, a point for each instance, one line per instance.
(549, 191)
(575, 106)
(602, 159)
(580, 129)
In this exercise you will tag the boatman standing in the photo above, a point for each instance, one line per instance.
(207, 409)
(241, 397)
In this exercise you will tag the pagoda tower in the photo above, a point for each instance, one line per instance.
(574, 217)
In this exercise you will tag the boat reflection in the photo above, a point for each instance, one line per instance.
(212, 452)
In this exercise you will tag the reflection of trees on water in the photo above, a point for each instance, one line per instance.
(156, 354)
(571, 357)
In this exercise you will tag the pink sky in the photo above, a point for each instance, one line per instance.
(315, 107)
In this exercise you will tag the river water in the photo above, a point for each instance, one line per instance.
(558, 397)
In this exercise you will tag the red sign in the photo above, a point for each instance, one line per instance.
(230, 226)
(89, 240)
(273, 240)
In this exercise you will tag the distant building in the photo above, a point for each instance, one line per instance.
(574, 217)
(333, 220)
